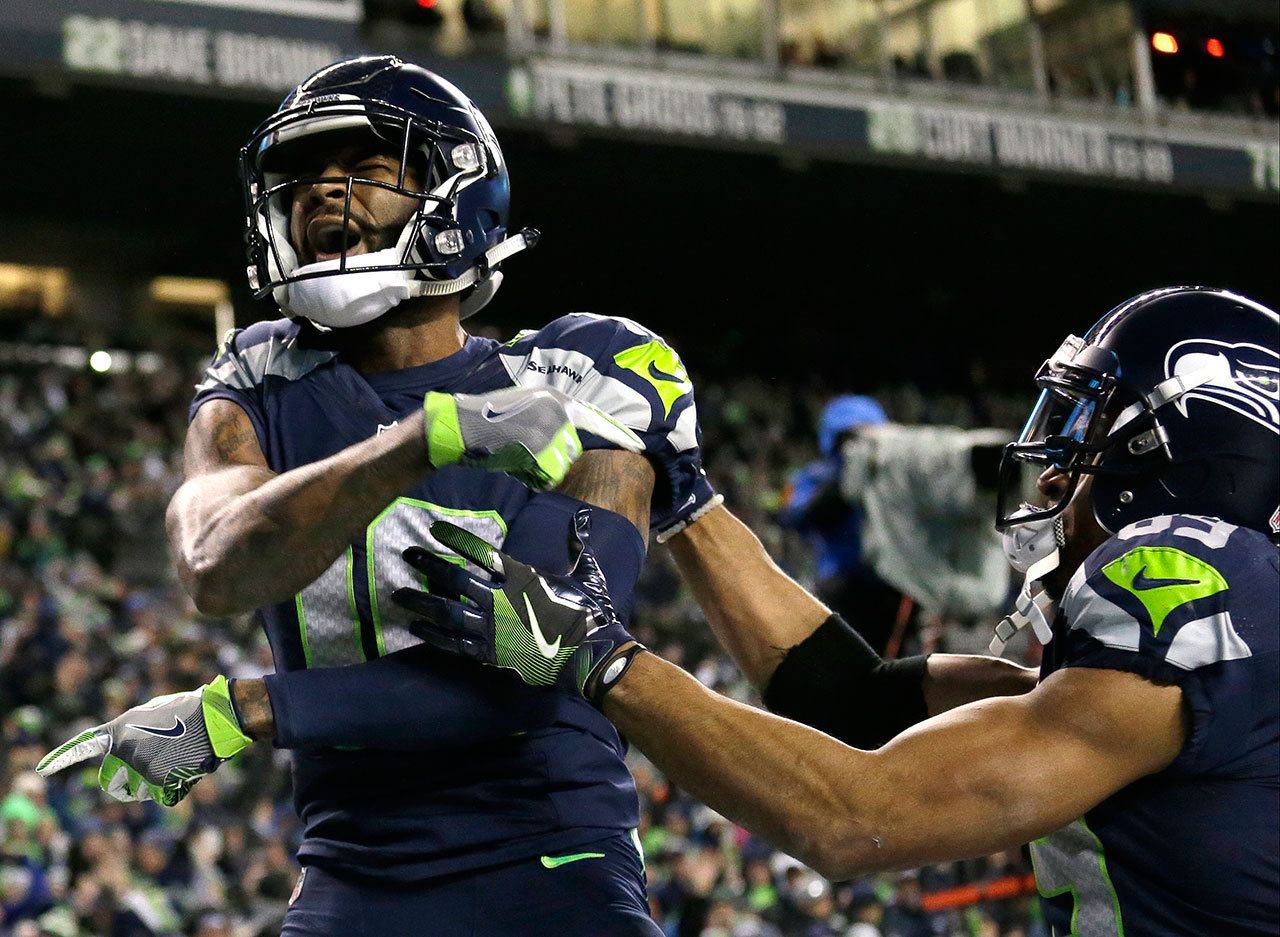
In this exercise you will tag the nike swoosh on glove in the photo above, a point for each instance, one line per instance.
(159, 750)
(554, 631)
(531, 434)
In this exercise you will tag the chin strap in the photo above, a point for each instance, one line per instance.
(481, 271)
(1034, 607)
(364, 292)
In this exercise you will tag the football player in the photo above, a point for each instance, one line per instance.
(323, 443)
(1142, 762)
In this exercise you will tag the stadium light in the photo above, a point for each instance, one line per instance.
(188, 291)
(1165, 43)
(100, 361)
(1214, 48)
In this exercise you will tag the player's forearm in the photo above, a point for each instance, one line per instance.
(777, 778)
(844, 811)
(756, 611)
(953, 680)
(238, 551)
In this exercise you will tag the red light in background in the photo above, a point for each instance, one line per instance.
(1214, 48)
(1164, 42)
(426, 4)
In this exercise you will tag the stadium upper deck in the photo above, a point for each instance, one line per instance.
(1170, 94)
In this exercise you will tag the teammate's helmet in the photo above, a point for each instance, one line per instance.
(454, 240)
(1172, 402)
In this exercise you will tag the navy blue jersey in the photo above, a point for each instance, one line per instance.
(1194, 849)
(410, 815)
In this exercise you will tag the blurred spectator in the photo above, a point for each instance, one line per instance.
(905, 917)
(816, 507)
(928, 495)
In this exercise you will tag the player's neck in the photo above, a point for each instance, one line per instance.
(415, 333)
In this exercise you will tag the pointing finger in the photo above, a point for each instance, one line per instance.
(88, 744)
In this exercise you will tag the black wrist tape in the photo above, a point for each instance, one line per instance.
(834, 682)
(609, 673)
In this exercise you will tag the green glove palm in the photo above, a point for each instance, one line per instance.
(159, 750)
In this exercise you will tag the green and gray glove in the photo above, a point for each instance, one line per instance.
(159, 750)
(531, 434)
(554, 631)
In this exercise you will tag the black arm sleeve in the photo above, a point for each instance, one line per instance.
(834, 682)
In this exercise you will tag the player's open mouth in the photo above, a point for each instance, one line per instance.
(328, 238)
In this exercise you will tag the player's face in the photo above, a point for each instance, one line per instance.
(1080, 529)
(377, 215)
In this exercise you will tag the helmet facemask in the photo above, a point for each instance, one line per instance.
(1067, 430)
(430, 256)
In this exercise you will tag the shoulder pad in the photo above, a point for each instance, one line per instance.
(615, 363)
(1164, 586)
(247, 357)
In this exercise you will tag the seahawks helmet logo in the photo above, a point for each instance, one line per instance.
(1246, 378)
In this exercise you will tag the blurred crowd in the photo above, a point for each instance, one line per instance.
(91, 623)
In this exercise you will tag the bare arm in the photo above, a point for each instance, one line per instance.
(758, 613)
(618, 481)
(755, 610)
(243, 536)
(984, 777)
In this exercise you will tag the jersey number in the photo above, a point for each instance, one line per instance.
(1210, 531)
(1071, 860)
(329, 618)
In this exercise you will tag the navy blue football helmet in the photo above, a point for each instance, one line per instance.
(1172, 402)
(454, 241)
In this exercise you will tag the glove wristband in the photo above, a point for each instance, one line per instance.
(220, 721)
(444, 434)
(609, 674)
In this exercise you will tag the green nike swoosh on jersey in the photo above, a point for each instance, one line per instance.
(554, 862)
(1142, 581)
(658, 364)
(1163, 579)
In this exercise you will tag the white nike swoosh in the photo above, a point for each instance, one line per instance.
(549, 651)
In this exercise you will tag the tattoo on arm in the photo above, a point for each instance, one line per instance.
(229, 439)
(220, 437)
(244, 536)
(618, 481)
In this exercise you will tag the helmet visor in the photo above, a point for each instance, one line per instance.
(1038, 473)
(1060, 417)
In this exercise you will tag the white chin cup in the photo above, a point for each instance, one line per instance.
(359, 296)
(1029, 544)
(351, 298)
